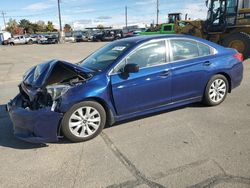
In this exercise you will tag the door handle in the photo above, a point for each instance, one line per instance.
(165, 73)
(207, 63)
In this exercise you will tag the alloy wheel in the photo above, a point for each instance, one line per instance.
(217, 90)
(84, 121)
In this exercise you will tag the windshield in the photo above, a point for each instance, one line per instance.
(105, 56)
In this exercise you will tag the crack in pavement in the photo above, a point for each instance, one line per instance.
(221, 178)
(140, 177)
(219, 166)
(178, 169)
(133, 183)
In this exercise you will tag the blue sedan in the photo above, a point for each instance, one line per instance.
(124, 79)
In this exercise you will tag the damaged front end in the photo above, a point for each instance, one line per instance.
(35, 111)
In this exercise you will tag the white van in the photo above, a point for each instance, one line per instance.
(4, 37)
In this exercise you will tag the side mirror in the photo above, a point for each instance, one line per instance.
(131, 68)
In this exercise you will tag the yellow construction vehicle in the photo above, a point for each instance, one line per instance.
(228, 24)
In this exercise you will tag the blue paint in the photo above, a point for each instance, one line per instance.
(150, 90)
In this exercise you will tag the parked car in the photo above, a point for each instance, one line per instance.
(42, 38)
(20, 39)
(79, 38)
(35, 38)
(50, 39)
(107, 35)
(124, 79)
(69, 39)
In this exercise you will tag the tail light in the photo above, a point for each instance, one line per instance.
(239, 56)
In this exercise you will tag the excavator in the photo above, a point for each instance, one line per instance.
(228, 24)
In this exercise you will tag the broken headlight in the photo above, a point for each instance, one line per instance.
(56, 91)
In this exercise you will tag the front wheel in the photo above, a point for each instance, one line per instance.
(216, 90)
(84, 121)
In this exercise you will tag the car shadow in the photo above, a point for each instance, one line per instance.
(193, 105)
(7, 138)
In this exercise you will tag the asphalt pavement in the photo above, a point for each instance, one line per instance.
(192, 146)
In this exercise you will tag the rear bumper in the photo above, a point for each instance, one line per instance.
(36, 126)
(237, 75)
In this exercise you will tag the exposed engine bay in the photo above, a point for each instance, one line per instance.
(44, 84)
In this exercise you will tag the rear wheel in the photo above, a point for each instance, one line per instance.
(83, 121)
(239, 41)
(216, 90)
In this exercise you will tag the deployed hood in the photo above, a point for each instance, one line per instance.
(52, 72)
(45, 83)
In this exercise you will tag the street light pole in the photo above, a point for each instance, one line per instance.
(126, 17)
(60, 22)
(4, 20)
(157, 13)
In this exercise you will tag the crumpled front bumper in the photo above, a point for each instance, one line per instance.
(36, 126)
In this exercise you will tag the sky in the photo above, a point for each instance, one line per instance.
(90, 13)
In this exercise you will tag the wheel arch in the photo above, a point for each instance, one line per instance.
(110, 119)
(110, 114)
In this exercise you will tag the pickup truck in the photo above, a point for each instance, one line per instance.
(20, 39)
(162, 29)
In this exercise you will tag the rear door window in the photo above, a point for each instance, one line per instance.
(184, 49)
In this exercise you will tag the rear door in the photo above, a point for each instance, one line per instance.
(191, 63)
(150, 87)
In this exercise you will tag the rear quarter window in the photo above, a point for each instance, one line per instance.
(204, 49)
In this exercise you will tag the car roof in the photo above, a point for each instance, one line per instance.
(145, 38)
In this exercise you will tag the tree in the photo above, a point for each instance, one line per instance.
(100, 26)
(26, 25)
(12, 25)
(50, 26)
(41, 25)
(67, 28)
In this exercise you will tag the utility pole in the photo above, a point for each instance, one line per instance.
(157, 12)
(60, 22)
(3, 14)
(126, 17)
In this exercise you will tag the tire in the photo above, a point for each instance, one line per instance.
(12, 43)
(240, 41)
(30, 42)
(77, 124)
(216, 90)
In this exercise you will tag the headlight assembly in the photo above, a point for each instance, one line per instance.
(56, 91)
